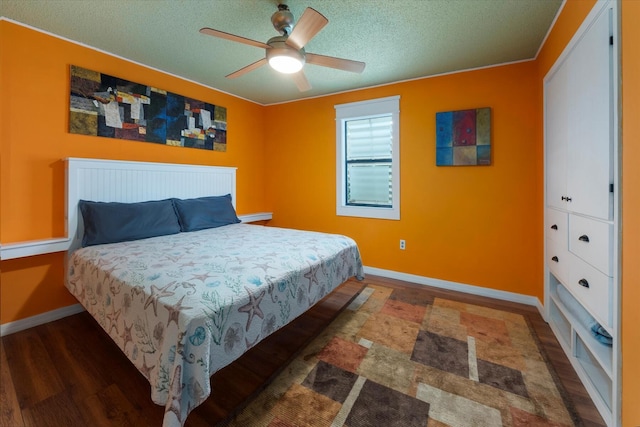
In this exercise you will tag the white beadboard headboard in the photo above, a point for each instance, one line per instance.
(129, 182)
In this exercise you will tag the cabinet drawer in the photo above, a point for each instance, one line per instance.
(557, 226)
(592, 288)
(592, 241)
(558, 260)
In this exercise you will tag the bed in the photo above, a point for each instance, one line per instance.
(182, 304)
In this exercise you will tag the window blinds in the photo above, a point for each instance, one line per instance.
(369, 161)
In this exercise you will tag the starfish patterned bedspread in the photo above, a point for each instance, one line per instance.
(183, 306)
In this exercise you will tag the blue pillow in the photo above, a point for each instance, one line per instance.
(120, 222)
(205, 212)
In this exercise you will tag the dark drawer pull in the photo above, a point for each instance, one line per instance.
(554, 258)
(583, 283)
(584, 238)
(554, 227)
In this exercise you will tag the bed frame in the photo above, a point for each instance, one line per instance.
(129, 182)
(326, 264)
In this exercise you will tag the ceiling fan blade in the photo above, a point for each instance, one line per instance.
(242, 71)
(232, 37)
(301, 81)
(309, 24)
(333, 62)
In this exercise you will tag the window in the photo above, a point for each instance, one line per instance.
(368, 158)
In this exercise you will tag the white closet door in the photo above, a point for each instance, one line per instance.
(557, 135)
(590, 139)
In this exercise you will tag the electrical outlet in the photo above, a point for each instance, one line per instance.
(403, 244)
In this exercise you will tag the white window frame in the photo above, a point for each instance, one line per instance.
(360, 110)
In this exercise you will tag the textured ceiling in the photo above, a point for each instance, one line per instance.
(398, 39)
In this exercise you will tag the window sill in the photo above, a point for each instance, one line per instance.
(369, 212)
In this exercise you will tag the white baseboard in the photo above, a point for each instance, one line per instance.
(50, 316)
(40, 319)
(460, 287)
(541, 310)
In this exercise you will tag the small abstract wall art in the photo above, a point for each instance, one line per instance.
(463, 138)
(103, 105)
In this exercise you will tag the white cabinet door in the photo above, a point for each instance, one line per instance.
(589, 173)
(557, 136)
(578, 126)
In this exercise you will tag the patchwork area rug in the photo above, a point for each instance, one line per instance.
(401, 358)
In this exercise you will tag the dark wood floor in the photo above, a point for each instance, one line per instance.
(69, 372)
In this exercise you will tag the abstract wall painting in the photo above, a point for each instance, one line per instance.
(463, 138)
(103, 105)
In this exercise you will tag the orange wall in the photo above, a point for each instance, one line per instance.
(630, 213)
(34, 134)
(475, 225)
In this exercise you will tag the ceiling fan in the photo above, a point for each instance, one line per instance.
(285, 53)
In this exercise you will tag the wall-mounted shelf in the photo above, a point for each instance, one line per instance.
(61, 244)
(33, 247)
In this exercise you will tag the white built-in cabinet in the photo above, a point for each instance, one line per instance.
(581, 204)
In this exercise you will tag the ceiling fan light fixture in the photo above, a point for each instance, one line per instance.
(283, 58)
(285, 64)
